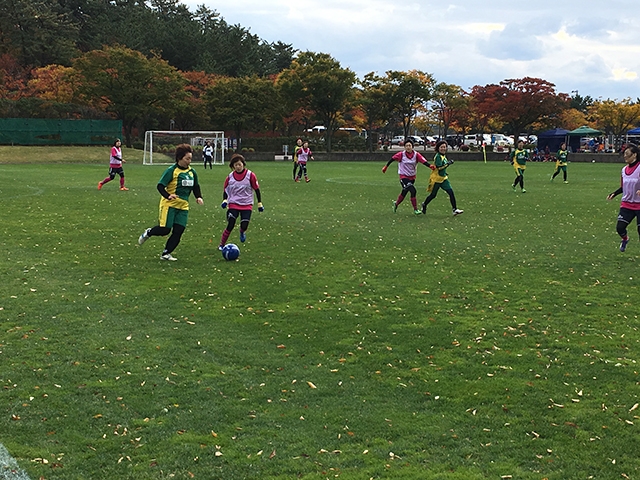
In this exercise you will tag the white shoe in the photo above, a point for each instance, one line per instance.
(144, 237)
(457, 211)
(168, 256)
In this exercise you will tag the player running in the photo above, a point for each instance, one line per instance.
(238, 196)
(439, 179)
(175, 186)
(630, 190)
(561, 162)
(303, 154)
(295, 156)
(407, 163)
(519, 159)
(115, 166)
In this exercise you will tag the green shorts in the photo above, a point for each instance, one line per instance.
(170, 216)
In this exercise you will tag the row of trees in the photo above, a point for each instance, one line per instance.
(276, 92)
(37, 33)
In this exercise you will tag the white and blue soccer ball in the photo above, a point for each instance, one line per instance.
(230, 251)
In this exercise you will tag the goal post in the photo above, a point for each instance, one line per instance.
(160, 145)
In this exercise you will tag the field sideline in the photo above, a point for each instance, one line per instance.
(346, 342)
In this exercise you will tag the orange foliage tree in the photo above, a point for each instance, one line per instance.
(518, 103)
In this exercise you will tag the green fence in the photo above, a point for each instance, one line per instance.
(43, 131)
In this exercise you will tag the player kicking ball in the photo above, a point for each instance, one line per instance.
(238, 197)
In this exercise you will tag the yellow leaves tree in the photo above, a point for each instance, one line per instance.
(615, 117)
(53, 82)
(573, 118)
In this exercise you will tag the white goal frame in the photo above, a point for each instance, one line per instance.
(217, 139)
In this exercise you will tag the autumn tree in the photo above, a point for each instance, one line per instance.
(373, 101)
(615, 117)
(53, 82)
(406, 92)
(239, 104)
(192, 112)
(317, 81)
(518, 103)
(570, 119)
(129, 85)
(450, 103)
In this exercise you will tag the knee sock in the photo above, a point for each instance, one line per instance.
(225, 236)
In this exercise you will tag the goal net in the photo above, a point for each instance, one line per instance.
(160, 146)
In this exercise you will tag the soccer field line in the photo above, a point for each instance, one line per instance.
(9, 469)
(35, 192)
(351, 182)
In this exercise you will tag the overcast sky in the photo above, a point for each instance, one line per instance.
(584, 45)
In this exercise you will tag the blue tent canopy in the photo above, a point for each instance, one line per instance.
(552, 139)
(635, 131)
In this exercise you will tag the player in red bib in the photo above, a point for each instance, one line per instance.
(407, 163)
(238, 197)
(115, 166)
(303, 155)
(630, 190)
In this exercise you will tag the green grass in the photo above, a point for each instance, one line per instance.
(502, 342)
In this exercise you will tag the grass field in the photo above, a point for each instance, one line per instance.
(346, 342)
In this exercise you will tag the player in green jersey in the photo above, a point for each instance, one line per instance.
(175, 186)
(440, 180)
(295, 156)
(561, 162)
(519, 159)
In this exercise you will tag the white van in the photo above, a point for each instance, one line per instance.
(500, 140)
(477, 139)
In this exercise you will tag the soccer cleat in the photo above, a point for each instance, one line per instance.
(524, 191)
(124, 189)
(243, 236)
(307, 179)
(297, 179)
(566, 181)
(168, 256)
(457, 211)
(552, 177)
(623, 244)
(514, 187)
(395, 207)
(99, 185)
(417, 212)
(424, 208)
(144, 237)
(220, 247)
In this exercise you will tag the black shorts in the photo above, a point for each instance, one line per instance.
(243, 214)
(406, 183)
(116, 171)
(627, 215)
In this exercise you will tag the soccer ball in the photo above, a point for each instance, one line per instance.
(230, 251)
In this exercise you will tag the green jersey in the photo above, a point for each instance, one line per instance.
(181, 182)
(441, 161)
(520, 157)
(562, 155)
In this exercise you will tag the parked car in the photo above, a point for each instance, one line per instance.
(397, 140)
(477, 139)
(500, 140)
(416, 140)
